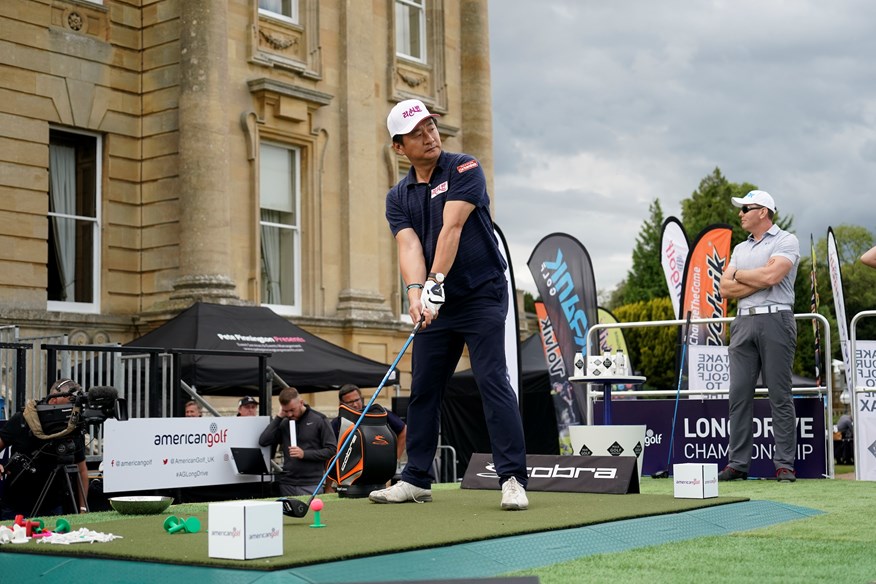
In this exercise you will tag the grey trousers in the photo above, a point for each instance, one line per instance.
(762, 343)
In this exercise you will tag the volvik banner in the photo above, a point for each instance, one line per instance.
(567, 404)
(701, 295)
(610, 475)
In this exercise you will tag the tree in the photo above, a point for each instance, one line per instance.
(645, 279)
(651, 349)
(711, 204)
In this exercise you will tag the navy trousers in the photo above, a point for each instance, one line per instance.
(478, 321)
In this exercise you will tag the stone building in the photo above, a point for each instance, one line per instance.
(155, 153)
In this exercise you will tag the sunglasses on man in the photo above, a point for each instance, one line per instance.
(747, 208)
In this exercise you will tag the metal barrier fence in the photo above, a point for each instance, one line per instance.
(820, 390)
(147, 379)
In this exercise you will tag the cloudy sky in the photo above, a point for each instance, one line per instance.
(601, 107)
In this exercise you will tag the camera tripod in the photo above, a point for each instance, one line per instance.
(65, 469)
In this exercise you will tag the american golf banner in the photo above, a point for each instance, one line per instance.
(167, 453)
(701, 295)
(674, 249)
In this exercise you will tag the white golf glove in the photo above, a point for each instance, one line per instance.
(433, 297)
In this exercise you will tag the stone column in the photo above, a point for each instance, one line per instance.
(204, 252)
(362, 224)
(477, 100)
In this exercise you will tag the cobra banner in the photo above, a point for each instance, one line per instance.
(612, 475)
(701, 295)
(674, 249)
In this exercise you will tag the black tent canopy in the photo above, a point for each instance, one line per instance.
(300, 358)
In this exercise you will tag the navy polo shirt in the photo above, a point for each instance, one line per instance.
(420, 206)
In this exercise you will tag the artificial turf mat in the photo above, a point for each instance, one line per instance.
(358, 528)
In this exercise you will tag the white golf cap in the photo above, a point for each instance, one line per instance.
(405, 116)
(761, 198)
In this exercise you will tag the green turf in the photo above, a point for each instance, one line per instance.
(359, 528)
(832, 547)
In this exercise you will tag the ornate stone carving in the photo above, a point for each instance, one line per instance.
(74, 21)
(277, 42)
(410, 79)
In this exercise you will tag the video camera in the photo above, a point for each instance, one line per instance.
(94, 407)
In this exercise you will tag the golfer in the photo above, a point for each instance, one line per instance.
(455, 281)
(763, 336)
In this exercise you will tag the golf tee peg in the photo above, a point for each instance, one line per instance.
(33, 526)
(62, 525)
(173, 524)
(192, 525)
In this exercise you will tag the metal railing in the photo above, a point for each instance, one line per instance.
(854, 390)
(820, 390)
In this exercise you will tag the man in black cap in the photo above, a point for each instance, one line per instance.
(248, 406)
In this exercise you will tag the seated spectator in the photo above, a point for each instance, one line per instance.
(248, 406)
(193, 410)
(314, 444)
(351, 396)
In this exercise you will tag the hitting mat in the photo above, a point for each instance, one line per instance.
(481, 559)
(357, 528)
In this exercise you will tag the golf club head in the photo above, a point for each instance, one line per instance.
(294, 507)
(660, 474)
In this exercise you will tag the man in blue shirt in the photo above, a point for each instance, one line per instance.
(763, 336)
(449, 257)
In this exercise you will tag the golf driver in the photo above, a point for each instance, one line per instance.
(664, 474)
(298, 508)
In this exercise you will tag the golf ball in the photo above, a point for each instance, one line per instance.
(316, 505)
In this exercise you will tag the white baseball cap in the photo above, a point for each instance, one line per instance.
(405, 116)
(762, 198)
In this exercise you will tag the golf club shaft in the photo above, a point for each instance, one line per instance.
(678, 390)
(352, 432)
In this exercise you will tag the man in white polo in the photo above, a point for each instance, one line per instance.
(763, 337)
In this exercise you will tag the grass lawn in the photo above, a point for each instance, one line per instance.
(834, 547)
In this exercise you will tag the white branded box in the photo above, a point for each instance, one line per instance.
(245, 530)
(695, 480)
(609, 441)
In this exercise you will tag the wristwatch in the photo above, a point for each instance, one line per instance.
(437, 276)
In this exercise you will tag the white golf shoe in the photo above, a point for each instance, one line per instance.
(402, 492)
(513, 496)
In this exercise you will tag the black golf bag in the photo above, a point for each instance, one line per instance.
(369, 460)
